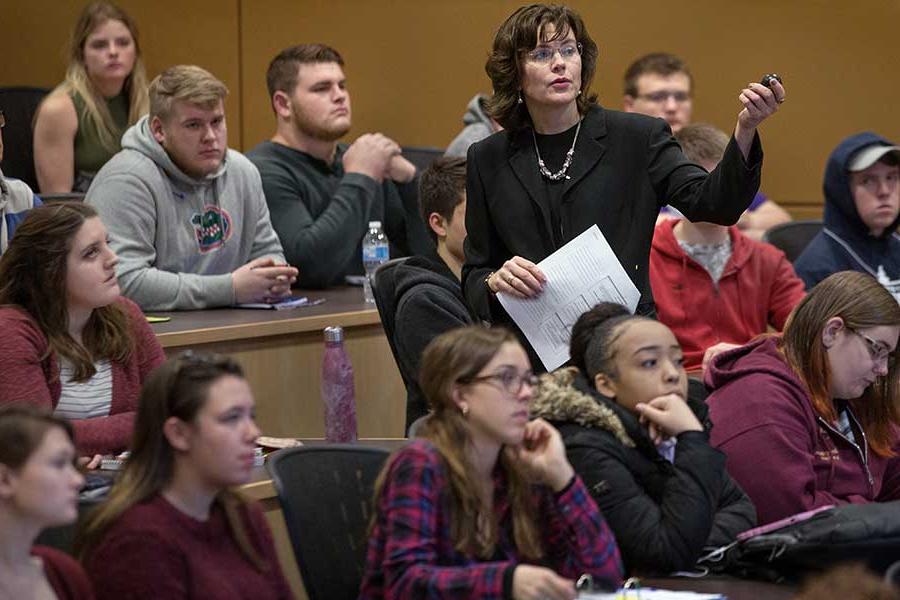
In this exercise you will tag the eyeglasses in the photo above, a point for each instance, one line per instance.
(510, 380)
(879, 351)
(2, 120)
(544, 54)
(663, 95)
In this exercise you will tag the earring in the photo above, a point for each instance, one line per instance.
(464, 409)
(579, 92)
(519, 101)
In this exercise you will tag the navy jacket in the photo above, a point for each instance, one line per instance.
(845, 244)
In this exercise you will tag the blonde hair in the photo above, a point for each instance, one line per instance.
(78, 81)
(189, 83)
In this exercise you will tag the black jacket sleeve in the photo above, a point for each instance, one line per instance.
(655, 537)
(480, 238)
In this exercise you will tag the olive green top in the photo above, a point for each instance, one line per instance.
(90, 154)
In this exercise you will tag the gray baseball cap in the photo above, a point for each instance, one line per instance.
(867, 157)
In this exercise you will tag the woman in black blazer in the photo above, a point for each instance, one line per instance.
(564, 163)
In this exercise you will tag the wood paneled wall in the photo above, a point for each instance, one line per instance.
(412, 65)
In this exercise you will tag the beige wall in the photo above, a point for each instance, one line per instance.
(413, 64)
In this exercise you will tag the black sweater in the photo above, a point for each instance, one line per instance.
(321, 213)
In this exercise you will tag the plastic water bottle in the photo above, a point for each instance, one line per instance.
(337, 389)
(375, 252)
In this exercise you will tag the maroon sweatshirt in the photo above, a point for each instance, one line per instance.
(784, 456)
(65, 575)
(29, 372)
(155, 551)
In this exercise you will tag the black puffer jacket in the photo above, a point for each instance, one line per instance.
(662, 514)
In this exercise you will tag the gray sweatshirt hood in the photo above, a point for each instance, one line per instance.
(475, 112)
(140, 139)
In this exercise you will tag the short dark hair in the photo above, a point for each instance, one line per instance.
(282, 73)
(441, 189)
(656, 63)
(518, 35)
(702, 142)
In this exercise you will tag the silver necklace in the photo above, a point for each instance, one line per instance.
(562, 172)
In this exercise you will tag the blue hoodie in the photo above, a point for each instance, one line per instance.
(845, 244)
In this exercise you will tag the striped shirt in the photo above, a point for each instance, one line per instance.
(85, 399)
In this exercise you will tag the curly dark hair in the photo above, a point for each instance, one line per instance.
(518, 35)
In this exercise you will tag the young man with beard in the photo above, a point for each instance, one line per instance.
(322, 194)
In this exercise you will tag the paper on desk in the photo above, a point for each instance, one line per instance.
(649, 594)
(579, 275)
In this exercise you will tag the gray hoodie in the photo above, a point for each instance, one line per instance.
(179, 238)
(477, 127)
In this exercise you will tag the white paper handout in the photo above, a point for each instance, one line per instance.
(579, 275)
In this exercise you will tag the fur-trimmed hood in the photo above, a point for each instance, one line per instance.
(558, 398)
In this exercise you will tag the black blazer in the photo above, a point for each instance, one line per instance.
(625, 168)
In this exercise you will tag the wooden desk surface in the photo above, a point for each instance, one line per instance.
(343, 306)
(281, 353)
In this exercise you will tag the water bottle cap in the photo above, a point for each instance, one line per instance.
(374, 224)
(334, 334)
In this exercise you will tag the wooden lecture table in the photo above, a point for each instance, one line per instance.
(281, 353)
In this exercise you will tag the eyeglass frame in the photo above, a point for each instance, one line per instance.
(878, 351)
(520, 380)
(661, 96)
(529, 54)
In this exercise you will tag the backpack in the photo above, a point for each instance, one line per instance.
(863, 533)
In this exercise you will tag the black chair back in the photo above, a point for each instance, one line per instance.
(326, 495)
(384, 289)
(421, 156)
(793, 237)
(19, 105)
(62, 197)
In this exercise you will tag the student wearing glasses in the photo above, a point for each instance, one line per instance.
(810, 418)
(661, 85)
(563, 164)
(483, 496)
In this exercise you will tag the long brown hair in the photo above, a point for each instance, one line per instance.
(77, 79)
(860, 301)
(33, 276)
(450, 359)
(179, 388)
(518, 35)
